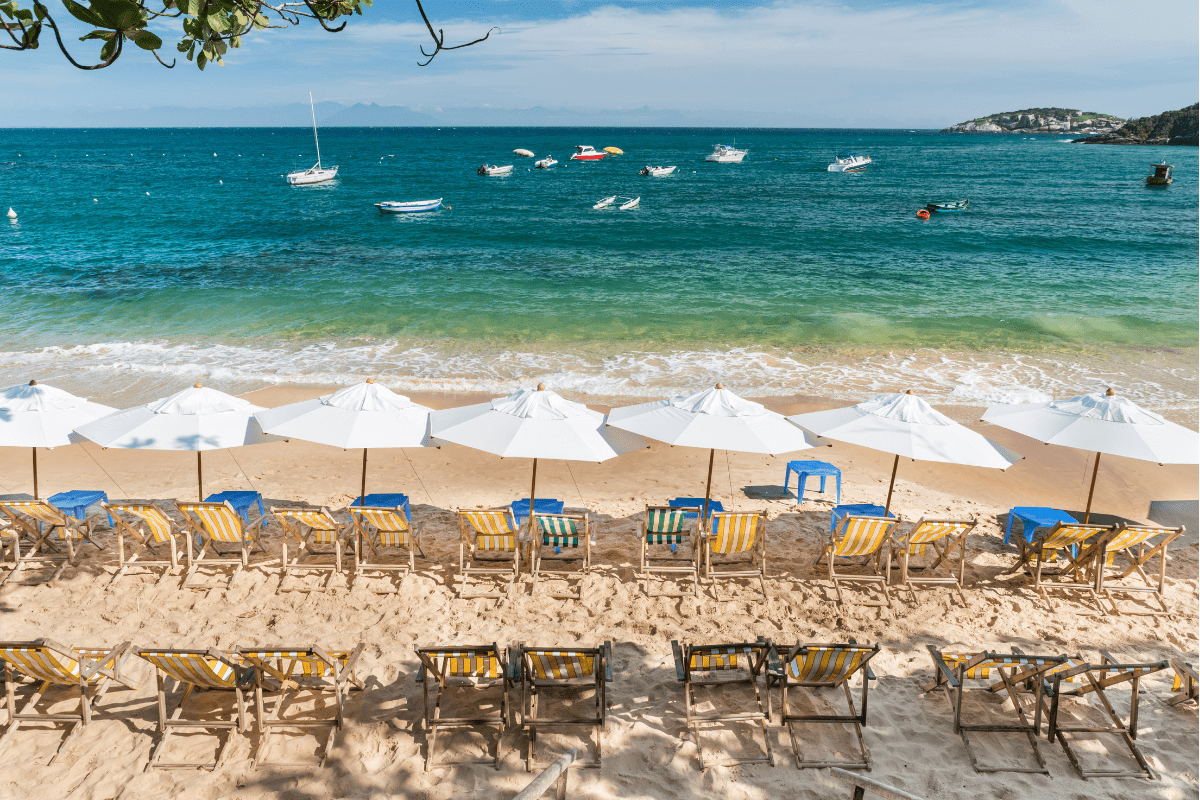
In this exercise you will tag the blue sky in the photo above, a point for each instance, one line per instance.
(792, 63)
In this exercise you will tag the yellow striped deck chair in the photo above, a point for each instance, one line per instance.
(147, 525)
(377, 528)
(738, 540)
(573, 670)
(943, 537)
(1073, 549)
(707, 666)
(309, 529)
(1186, 684)
(823, 666)
(865, 538)
(219, 523)
(667, 529)
(1136, 545)
(1097, 678)
(472, 674)
(493, 536)
(317, 675)
(561, 538)
(1017, 673)
(208, 669)
(36, 523)
(88, 670)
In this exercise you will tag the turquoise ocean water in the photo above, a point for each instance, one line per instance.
(141, 258)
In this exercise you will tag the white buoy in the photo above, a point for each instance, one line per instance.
(214, 155)
(12, 214)
(221, 182)
(94, 200)
(147, 194)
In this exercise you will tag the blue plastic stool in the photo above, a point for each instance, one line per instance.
(815, 469)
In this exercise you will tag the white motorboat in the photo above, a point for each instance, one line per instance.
(725, 154)
(521, 151)
(849, 163)
(585, 152)
(656, 172)
(410, 207)
(316, 173)
(606, 202)
(630, 204)
(487, 169)
(623, 203)
(545, 163)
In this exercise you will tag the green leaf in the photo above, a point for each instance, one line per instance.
(119, 14)
(84, 14)
(218, 22)
(109, 48)
(105, 35)
(182, 46)
(146, 40)
(30, 39)
(201, 60)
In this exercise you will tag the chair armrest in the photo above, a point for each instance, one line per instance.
(940, 664)
(608, 667)
(677, 651)
(515, 663)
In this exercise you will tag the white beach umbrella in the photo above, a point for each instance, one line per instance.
(195, 419)
(905, 425)
(533, 423)
(367, 415)
(33, 416)
(1102, 423)
(716, 419)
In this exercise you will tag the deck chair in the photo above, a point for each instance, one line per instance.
(866, 538)
(1137, 545)
(147, 525)
(1100, 677)
(708, 665)
(575, 670)
(666, 527)
(1017, 672)
(1067, 544)
(308, 529)
(561, 538)
(1185, 683)
(199, 669)
(288, 671)
(214, 523)
(943, 537)
(489, 536)
(739, 540)
(459, 671)
(823, 666)
(89, 670)
(376, 528)
(36, 522)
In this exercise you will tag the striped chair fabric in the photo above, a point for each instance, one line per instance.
(195, 668)
(43, 664)
(1127, 538)
(714, 658)
(558, 531)
(561, 664)
(392, 525)
(734, 533)
(1177, 684)
(1062, 539)
(221, 523)
(46, 513)
(862, 536)
(983, 669)
(491, 523)
(505, 544)
(309, 664)
(158, 523)
(665, 526)
(322, 531)
(470, 664)
(928, 532)
(826, 664)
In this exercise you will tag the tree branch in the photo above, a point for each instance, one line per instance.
(439, 38)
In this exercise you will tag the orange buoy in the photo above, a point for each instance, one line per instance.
(923, 214)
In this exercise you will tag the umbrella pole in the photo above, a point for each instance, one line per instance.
(199, 477)
(362, 496)
(1087, 514)
(708, 487)
(532, 495)
(35, 494)
(888, 505)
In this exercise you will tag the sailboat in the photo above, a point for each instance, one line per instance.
(314, 174)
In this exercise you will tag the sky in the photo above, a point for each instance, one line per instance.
(790, 63)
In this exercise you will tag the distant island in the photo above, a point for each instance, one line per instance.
(1040, 120)
(1169, 127)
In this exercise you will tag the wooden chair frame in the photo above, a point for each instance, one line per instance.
(146, 535)
(440, 672)
(1079, 567)
(541, 540)
(369, 535)
(673, 565)
(1186, 683)
(470, 552)
(297, 524)
(36, 521)
(749, 661)
(879, 557)
(95, 670)
(248, 539)
(533, 684)
(750, 563)
(953, 530)
(830, 675)
(1110, 583)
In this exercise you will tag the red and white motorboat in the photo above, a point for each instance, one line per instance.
(585, 152)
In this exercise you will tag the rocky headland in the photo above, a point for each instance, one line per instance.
(1170, 127)
(1041, 120)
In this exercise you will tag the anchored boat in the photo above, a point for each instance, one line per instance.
(488, 169)
(316, 173)
(585, 152)
(656, 172)
(724, 154)
(952, 205)
(545, 163)
(1160, 175)
(622, 203)
(849, 163)
(410, 207)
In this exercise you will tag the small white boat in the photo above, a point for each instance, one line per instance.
(521, 151)
(316, 173)
(585, 152)
(410, 207)
(545, 163)
(487, 169)
(606, 202)
(656, 172)
(849, 163)
(725, 154)
(622, 203)
(630, 204)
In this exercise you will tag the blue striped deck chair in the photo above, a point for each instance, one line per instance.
(309, 528)
(464, 672)
(564, 670)
(738, 541)
(561, 538)
(219, 523)
(376, 528)
(666, 527)
(937, 539)
(823, 666)
(36, 523)
(490, 535)
(864, 538)
(1065, 557)
(704, 666)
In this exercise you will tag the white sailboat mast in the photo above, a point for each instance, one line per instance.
(315, 139)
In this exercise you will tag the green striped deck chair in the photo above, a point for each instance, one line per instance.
(664, 531)
(941, 536)
(577, 671)
(312, 673)
(473, 674)
(738, 541)
(219, 523)
(146, 525)
(490, 536)
(377, 528)
(309, 529)
(704, 667)
(88, 670)
(823, 666)
(1064, 557)
(561, 538)
(205, 670)
(1136, 545)
(867, 539)
(37, 525)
